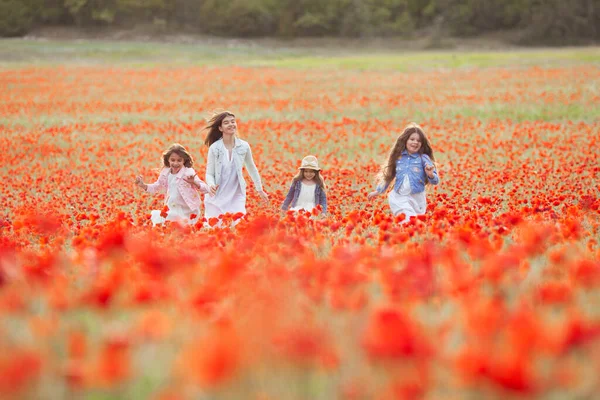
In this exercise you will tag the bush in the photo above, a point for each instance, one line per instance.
(143, 10)
(17, 16)
(239, 17)
(555, 22)
(92, 12)
(541, 21)
(54, 12)
(316, 18)
(392, 18)
(183, 13)
(471, 17)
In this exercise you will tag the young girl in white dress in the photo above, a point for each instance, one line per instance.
(179, 182)
(227, 154)
(411, 164)
(308, 189)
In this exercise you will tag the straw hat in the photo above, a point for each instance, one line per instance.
(310, 162)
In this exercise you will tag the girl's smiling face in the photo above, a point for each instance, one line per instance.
(309, 174)
(228, 126)
(175, 162)
(413, 144)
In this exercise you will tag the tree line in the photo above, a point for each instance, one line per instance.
(552, 22)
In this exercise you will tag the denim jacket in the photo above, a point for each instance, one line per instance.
(241, 156)
(412, 165)
(294, 193)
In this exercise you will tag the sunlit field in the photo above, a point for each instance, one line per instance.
(493, 294)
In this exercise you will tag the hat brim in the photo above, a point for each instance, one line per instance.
(314, 169)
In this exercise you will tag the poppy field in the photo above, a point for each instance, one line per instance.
(493, 294)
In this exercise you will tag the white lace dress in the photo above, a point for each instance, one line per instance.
(306, 198)
(178, 209)
(404, 201)
(229, 197)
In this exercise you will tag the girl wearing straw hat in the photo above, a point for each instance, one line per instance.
(308, 189)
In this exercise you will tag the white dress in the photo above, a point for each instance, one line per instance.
(404, 201)
(178, 209)
(306, 198)
(229, 197)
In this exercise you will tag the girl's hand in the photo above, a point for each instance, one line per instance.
(429, 170)
(190, 180)
(140, 182)
(372, 194)
(263, 195)
(212, 190)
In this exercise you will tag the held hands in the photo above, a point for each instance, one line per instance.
(212, 190)
(429, 170)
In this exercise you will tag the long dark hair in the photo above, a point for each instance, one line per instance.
(318, 178)
(178, 149)
(214, 133)
(388, 170)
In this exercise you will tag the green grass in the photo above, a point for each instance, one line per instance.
(534, 112)
(17, 52)
(407, 61)
(336, 72)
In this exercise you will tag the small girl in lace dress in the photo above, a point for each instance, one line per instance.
(308, 189)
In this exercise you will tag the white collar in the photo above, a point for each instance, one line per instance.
(236, 142)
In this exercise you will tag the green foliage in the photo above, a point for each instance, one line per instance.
(144, 10)
(392, 17)
(114, 12)
(54, 12)
(183, 13)
(92, 12)
(539, 21)
(470, 17)
(17, 16)
(315, 18)
(238, 17)
(558, 22)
